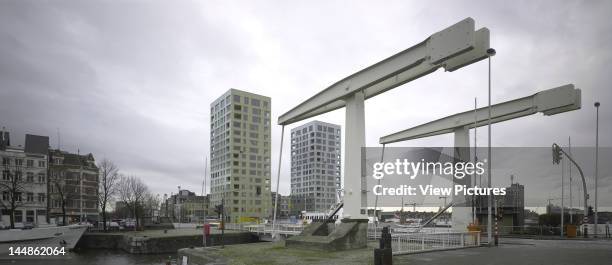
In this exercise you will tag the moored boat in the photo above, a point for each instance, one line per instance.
(57, 236)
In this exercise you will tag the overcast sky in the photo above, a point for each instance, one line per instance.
(132, 81)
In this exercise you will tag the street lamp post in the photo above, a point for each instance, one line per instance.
(490, 52)
(596, 163)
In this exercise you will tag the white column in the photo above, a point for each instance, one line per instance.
(462, 215)
(354, 182)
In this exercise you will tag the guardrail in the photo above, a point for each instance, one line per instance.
(409, 243)
(375, 231)
(531, 230)
(285, 229)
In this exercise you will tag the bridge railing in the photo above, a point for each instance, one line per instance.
(291, 229)
(374, 231)
(408, 243)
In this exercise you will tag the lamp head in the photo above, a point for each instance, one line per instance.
(491, 51)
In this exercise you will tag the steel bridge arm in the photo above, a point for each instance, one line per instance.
(452, 48)
(550, 102)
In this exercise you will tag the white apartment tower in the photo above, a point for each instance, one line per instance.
(315, 166)
(240, 155)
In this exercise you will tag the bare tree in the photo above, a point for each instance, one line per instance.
(109, 179)
(12, 187)
(132, 192)
(151, 204)
(59, 191)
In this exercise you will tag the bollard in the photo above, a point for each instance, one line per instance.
(384, 255)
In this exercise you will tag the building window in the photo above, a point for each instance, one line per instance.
(41, 163)
(30, 177)
(19, 162)
(30, 216)
(18, 216)
(41, 197)
(30, 197)
(6, 161)
(6, 196)
(6, 175)
(41, 178)
(30, 163)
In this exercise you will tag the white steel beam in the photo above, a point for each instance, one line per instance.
(462, 215)
(452, 48)
(354, 194)
(550, 102)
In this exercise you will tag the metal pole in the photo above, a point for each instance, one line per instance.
(571, 210)
(596, 163)
(474, 218)
(584, 188)
(204, 190)
(496, 221)
(491, 53)
(280, 156)
(223, 219)
(562, 194)
(80, 193)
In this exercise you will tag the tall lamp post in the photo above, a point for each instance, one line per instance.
(490, 52)
(596, 162)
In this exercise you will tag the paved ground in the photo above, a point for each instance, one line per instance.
(512, 251)
(521, 251)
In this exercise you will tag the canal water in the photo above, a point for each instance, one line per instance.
(97, 257)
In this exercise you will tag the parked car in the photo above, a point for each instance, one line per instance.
(110, 226)
(129, 224)
(28, 225)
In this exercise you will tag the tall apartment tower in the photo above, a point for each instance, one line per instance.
(315, 166)
(240, 155)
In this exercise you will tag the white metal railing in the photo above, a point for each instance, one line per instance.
(285, 229)
(408, 243)
(374, 231)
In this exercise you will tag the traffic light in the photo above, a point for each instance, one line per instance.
(557, 154)
(590, 211)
